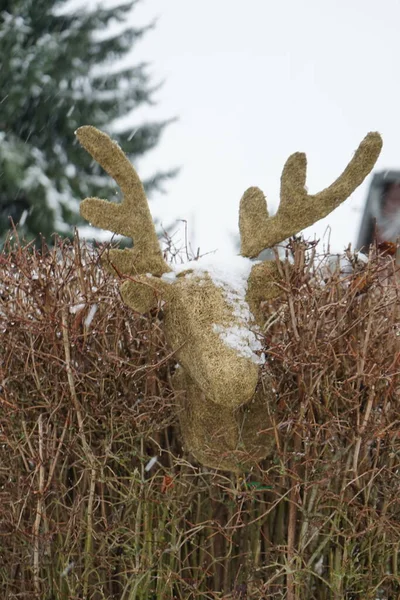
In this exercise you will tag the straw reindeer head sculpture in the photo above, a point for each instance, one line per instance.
(211, 320)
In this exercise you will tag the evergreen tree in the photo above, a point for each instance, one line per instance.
(59, 70)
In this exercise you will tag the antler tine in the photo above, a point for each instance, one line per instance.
(131, 217)
(298, 209)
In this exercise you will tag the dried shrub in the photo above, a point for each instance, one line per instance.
(87, 402)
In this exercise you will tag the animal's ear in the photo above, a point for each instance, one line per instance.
(262, 285)
(142, 293)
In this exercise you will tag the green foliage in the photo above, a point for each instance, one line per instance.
(59, 70)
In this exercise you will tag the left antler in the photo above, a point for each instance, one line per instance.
(131, 217)
(298, 209)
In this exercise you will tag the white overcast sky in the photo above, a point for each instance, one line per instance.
(252, 82)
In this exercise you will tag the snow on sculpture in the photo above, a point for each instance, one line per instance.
(212, 316)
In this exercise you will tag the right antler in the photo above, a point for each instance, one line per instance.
(131, 217)
(298, 209)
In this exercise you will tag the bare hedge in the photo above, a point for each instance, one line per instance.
(98, 499)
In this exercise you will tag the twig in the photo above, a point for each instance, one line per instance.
(39, 509)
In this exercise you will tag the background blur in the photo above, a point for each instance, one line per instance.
(249, 84)
(253, 82)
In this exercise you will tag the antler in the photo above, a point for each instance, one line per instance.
(131, 217)
(298, 209)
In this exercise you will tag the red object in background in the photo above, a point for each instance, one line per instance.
(167, 483)
(387, 248)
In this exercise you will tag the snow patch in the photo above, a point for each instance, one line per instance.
(91, 313)
(242, 340)
(76, 308)
(151, 463)
(230, 273)
(169, 277)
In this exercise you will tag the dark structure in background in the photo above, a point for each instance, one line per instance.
(381, 220)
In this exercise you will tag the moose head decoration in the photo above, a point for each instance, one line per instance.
(212, 317)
